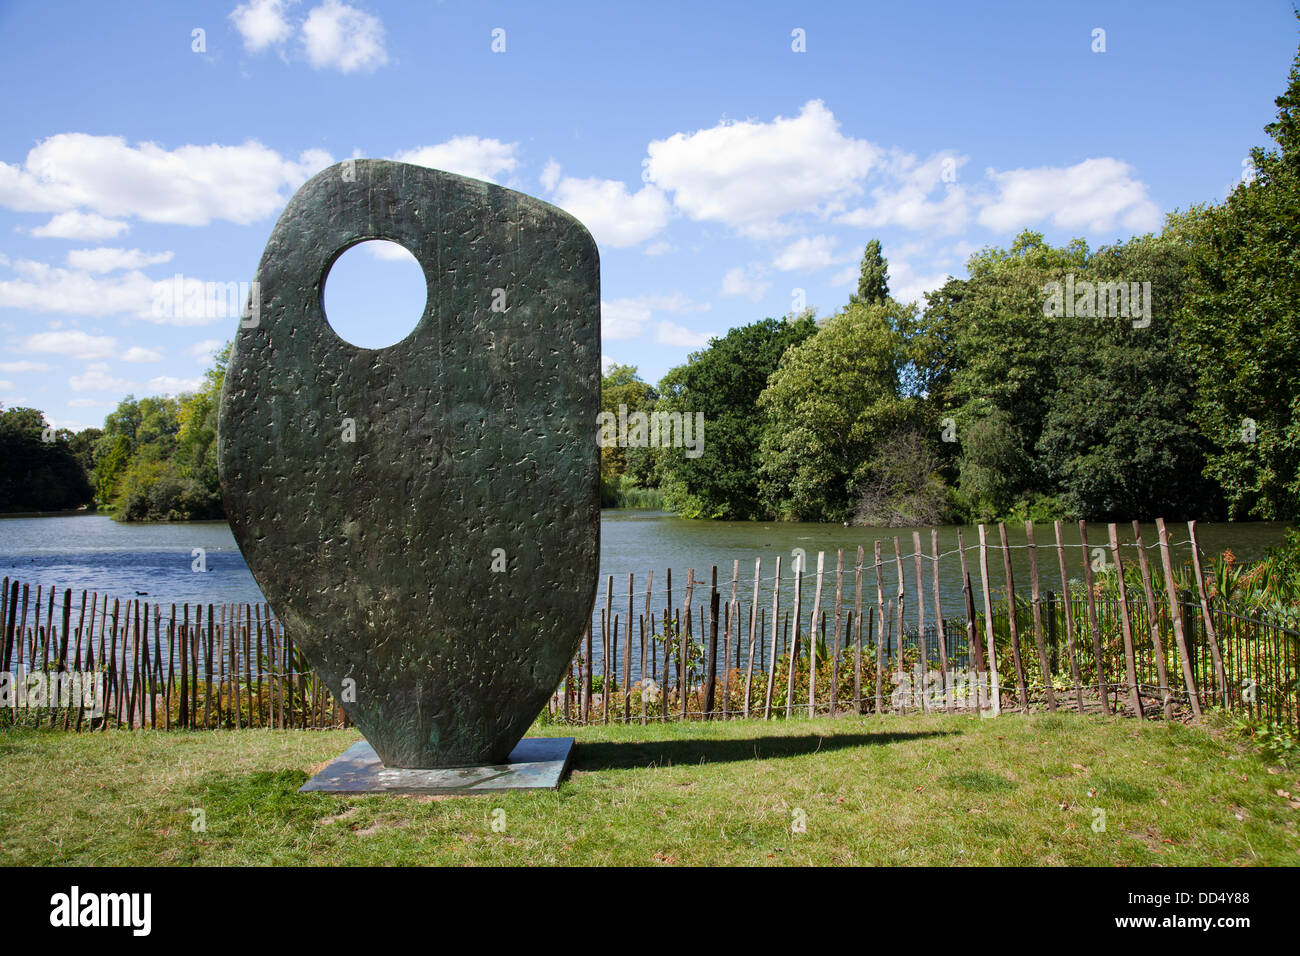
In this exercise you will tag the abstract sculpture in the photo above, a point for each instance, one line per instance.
(438, 568)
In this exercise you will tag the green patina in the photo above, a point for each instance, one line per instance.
(473, 433)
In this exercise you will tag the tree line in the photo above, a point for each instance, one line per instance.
(1156, 376)
(154, 459)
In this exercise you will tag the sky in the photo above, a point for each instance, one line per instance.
(731, 160)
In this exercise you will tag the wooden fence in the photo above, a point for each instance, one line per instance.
(202, 666)
(873, 636)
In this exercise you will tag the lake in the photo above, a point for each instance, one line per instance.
(157, 561)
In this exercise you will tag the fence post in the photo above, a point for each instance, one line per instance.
(835, 649)
(857, 660)
(709, 702)
(683, 642)
(922, 666)
(1130, 664)
(1153, 624)
(880, 633)
(1176, 612)
(1210, 634)
(1102, 689)
(1014, 626)
(753, 622)
(794, 643)
(627, 655)
(973, 646)
(813, 631)
(1037, 607)
(938, 623)
(771, 662)
(902, 597)
(1069, 619)
(995, 691)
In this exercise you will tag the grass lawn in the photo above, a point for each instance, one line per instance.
(937, 790)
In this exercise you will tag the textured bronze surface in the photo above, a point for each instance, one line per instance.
(474, 433)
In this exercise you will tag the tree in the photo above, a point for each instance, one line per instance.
(830, 403)
(873, 283)
(39, 470)
(724, 382)
(156, 458)
(1118, 440)
(994, 468)
(901, 486)
(1242, 325)
(622, 386)
(196, 437)
(988, 353)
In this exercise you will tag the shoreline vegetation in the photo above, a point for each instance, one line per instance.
(1153, 376)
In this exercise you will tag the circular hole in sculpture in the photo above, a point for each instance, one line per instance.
(375, 294)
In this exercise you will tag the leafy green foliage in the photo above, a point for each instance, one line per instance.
(873, 282)
(40, 468)
(830, 404)
(724, 382)
(901, 485)
(622, 386)
(1243, 324)
(1118, 439)
(1276, 742)
(1085, 411)
(156, 457)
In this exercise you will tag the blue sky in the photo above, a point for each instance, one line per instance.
(719, 169)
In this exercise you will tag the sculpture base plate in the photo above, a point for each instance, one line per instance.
(536, 763)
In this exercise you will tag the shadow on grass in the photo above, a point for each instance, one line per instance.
(645, 753)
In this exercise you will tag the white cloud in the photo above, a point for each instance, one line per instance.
(170, 385)
(747, 281)
(46, 288)
(628, 318)
(906, 201)
(190, 185)
(606, 363)
(71, 424)
(1094, 195)
(471, 156)
(24, 366)
(670, 333)
(616, 217)
(86, 403)
(71, 344)
(88, 226)
(385, 250)
(261, 23)
(5, 383)
(203, 351)
(906, 284)
(659, 248)
(97, 378)
(623, 318)
(138, 353)
(748, 175)
(808, 253)
(846, 276)
(550, 177)
(343, 38)
(109, 259)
